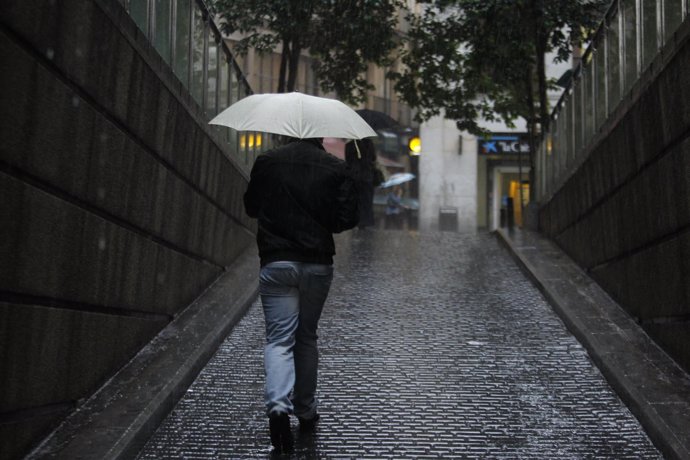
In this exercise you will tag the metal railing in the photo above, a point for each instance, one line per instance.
(624, 46)
(187, 39)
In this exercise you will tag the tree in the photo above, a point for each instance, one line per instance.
(479, 57)
(486, 58)
(445, 72)
(343, 37)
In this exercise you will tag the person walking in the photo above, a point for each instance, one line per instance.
(300, 195)
(395, 208)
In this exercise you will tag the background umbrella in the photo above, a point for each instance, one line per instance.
(397, 179)
(378, 120)
(296, 115)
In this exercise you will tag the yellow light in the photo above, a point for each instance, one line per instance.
(258, 139)
(243, 141)
(549, 145)
(415, 145)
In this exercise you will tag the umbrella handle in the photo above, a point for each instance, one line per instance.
(359, 154)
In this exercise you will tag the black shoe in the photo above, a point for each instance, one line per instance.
(308, 424)
(281, 436)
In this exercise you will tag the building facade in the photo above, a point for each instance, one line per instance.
(465, 180)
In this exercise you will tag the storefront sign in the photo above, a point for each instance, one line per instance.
(503, 144)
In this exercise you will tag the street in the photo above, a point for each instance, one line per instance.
(433, 345)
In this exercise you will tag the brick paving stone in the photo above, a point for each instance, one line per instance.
(433, 345)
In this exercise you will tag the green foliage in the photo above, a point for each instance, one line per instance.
(342, 36)
(353, 34)
(471, 58)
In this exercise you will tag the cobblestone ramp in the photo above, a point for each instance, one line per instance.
(432, 346)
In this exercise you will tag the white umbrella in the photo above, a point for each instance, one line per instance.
(295, 115)
(397, 179)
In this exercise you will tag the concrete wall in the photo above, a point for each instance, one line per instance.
(624, 214)
(447, 179)
(118, 206)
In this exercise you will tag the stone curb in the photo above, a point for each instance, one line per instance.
(650, 383)
(117, 421)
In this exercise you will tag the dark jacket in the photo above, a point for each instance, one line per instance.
(301, 195)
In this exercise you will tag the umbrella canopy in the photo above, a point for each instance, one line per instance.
(378, 120)
(397, 179)
(296, 115)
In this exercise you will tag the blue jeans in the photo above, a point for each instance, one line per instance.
(293, 295)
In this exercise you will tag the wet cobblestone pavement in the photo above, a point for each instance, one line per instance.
(432, 346)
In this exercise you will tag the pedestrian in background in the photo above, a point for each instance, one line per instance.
(300, 195)
(360, 155)
(395, 208)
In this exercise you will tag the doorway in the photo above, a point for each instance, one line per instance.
(507, 184)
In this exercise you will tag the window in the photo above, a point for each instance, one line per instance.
(570, 125)
(211, 74)
(630, 42)
(265, 73)
(223, 86)
(139, 10)
(588, 101)
(234, 84)
(673, 16)
(161, 30)
(613, 63)
(552, 142)
(183, 27)
(233, 137)
(566, 128)
(650, 35)
(600, 83)
(198, 35)
(578, 112)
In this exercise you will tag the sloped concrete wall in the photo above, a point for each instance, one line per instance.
(625, 213)
(118, 206)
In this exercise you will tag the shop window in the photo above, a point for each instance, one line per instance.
(519, 193)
